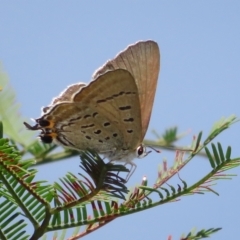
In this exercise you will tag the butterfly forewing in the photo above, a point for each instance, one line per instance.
(142, 60)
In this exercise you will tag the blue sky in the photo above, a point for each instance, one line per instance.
(47, 45)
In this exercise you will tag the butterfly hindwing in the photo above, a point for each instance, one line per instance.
(103, 115)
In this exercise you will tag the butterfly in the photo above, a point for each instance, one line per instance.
(111, 114)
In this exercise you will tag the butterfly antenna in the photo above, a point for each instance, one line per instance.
(157, 151)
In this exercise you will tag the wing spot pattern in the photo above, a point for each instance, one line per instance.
(114, 96)
(98, 131)
(87, 116)
(95, 114)
(87, 126)
(106, 124)
(124, 108)
(128, 120)
(75, 119)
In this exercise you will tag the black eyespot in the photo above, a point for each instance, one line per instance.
(43, 123)
(128, 120)
(106, 124)
(87, 116)
(95, 114)
(75, 119)
(88, 126)
(101, 100)
(124, 108)
(115, 135)
(98, 131)
(46, 139)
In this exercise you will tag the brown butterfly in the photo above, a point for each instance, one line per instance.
(110, 114)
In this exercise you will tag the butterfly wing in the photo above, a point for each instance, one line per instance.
(66, 95)
(142, 60)
(104, 116)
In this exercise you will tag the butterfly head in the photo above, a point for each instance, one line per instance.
(141, 151)
(127, 155)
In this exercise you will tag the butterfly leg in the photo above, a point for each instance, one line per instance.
(117, 177)
(131, 170)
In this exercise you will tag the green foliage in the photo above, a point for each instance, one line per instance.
(68, 203)
(9, 113)
(193, 235)
(97, 196)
